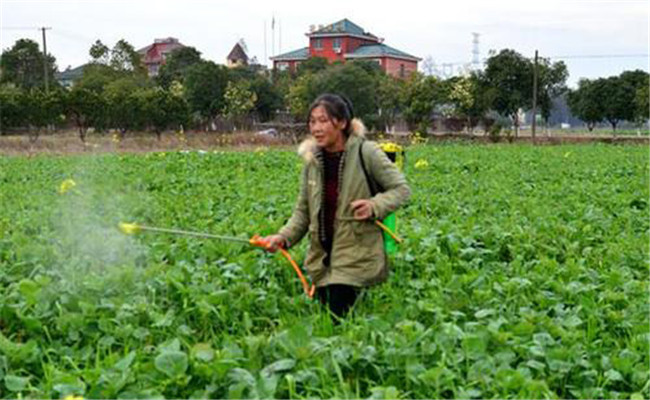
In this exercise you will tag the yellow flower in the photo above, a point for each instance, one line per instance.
(417, 138)
(129, 229)
(66, 185)
(390, 147)
(73, 397)
(421, 164)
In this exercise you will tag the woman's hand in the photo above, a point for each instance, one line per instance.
(274, 242)
(362, 209)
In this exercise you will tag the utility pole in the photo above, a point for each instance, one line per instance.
(47, 86)
(273, 36)
(534, 97)
(266, 60)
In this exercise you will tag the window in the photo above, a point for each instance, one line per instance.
(283, 66)
(401, 71)
(337, 44)
(318, 44)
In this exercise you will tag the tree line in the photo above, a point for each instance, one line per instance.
(116, 93)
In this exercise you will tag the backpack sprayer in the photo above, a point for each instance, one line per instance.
(256, 241)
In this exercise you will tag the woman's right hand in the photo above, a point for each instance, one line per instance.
(274, 242)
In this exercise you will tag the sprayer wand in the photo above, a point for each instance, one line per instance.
(256, 240)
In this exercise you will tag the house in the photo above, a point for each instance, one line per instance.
(155, 55)
(68, 77)
(237, 56)
(344, 41)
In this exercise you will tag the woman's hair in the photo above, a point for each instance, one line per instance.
(337, 107)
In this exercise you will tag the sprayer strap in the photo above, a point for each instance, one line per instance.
(372, 185)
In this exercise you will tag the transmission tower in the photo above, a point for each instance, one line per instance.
(476, 63)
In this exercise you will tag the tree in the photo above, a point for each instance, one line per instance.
(469, 98)
(177, 64)
(585, 103)
(162, 109)
(313, 65)
(22, 65)
(353, 82)
(637, 82)
(356, 81)
(388, 100)
(282, 82)
(100, 53)
(642, 102)
(84, 108)
(108, 66)
(617, 100)
(371, 67)
(97, 76)
(125, 58)
(11, 112)
(41, 109)
(419, 97)
(510, 79)
(122, 104)
(551, 84)
(239, 101)
(268, 98)
(205, 85)
(301, 93)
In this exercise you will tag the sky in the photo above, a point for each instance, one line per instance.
(594, 38)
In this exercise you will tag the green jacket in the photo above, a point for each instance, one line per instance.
(357, 257)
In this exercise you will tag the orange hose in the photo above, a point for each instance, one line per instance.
(388, 231)
(308, 291)
(257, 241)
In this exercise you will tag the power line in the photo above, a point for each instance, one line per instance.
(20, 28)
(601, 56)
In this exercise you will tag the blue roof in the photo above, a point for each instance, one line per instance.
(300, 54)
(71, 74)
(344, 26)
(378, 50)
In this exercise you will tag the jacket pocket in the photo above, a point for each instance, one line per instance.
(315, 252)
(366, 233)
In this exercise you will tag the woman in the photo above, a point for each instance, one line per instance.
(335, 205)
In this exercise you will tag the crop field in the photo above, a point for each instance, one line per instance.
(524, 274)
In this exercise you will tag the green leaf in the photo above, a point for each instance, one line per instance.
(172, 363)
(486, 312)
(572, 322)
(16, 383)
(125, 363)
(172, 345)
(534, 364)
(203, 352)
(29, 289)
(613, 375)
(279, 366)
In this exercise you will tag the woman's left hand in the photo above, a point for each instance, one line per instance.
(362, 209)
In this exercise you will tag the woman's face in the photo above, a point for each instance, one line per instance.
(328, 132)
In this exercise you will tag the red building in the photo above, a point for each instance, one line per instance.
(345, 40)
(155, 55)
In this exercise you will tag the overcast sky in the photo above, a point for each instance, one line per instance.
(439, 29)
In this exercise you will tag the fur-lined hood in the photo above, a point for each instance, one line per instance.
(308, 147)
